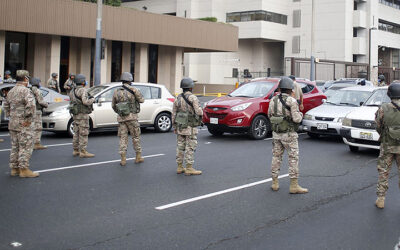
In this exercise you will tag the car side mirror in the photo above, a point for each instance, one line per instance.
(361, 103)
(323, 100)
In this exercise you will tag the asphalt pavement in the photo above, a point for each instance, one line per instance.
(97, 204)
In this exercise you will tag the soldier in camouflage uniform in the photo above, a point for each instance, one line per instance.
(285, 116)
(381, 81)
(7, 77)
(40, 104)
(80, 108)
(52, 83)
(126, 103)
(20, 108)
(69, 83)
(186, 116)
(387, 120)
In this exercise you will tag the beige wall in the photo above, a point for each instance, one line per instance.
(141, 63)
(170, 67)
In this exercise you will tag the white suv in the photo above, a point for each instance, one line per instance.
(359, 127)
(154, 112)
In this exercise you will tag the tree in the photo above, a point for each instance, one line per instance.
(107, 2)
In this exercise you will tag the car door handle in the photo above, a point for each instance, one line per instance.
(156, 102)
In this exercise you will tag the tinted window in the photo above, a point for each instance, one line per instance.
(253, 89)
(44, 92)
(145, 90)
(155, 93)
(306, 88)
(108, 95)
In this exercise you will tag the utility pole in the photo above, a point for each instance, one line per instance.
(312, 60)
(97, 74)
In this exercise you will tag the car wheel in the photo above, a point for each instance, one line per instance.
(70, 128)
(259, 127)
(215, 131)
(163, 122)
(312, 135)
(353, 148)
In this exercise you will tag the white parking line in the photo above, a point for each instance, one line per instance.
(175, 204)
(93, 164)
(52, 145)
(4, 135)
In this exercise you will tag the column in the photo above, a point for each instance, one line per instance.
(105, 66)
(176, 70)
(165, 53)
(83, 63)
(41, 43)
(141, 63)
(2, 51)
(126, 57)
(54, 55)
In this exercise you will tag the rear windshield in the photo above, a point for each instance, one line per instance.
(378, 98)
(253, 89)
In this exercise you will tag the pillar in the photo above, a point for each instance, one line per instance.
(53, 55)
(176, 69)
(141, 62)
(2, 51)
(83, 62)
(106, 64)
(41, 42)
(126, 57)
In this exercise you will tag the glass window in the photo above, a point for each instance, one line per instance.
(93, 91)
(377, 98)
(155, 93)
(306, 88)
(44, 92)
(233, 17)
(260, 16)
(348, 97)
(108, 95)
(145, 90)
(253, 89)
(15, 52)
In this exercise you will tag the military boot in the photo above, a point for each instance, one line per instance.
(180, 169)
(76, 152)
(380, 202)
(14, 172)
(123, 159)
(27, 173)
(85, 154)
(38, 146)
(191, 171)
(139, 158)
(295, 188)
(275, 184)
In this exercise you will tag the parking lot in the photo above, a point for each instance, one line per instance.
(97, 204)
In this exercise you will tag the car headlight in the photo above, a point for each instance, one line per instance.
(307, 117)
(241, 107)
(58, 112)
(340, 120)
(346, 122)
(205, 105)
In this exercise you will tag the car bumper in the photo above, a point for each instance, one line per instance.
(351, 136)
(55, 124)
(235, 122)
(228, 129)
(311, 127)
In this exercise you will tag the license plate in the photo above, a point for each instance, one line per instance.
(214, 120)
(366, 136)
(322, 126)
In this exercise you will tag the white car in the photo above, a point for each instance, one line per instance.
(154, 112)
(359, 127)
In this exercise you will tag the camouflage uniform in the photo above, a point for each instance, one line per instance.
(20, 107)
(288, 141)
(129, 123)
(40, 104)
(53, 84)
(186, 137)
(68, 85)
(388, 152)
(81, 121)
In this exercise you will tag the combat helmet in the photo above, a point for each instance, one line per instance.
(126, 77)
(394, 90)
(34, 81)
(80, 79)
(381, 77)
(54, 74)
(187, 83)
(286, 83)
(7, 72)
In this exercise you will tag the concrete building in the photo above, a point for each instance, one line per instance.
(46, 36)
(272, 30)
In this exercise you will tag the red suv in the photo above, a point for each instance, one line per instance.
(245, 109)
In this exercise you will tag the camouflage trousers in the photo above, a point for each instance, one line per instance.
(81, 132)
(186, 146)
(21, 148)
(38, 127)
(385, 161)
(288, 141)
(133, 128)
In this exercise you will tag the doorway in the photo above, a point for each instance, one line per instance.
(15, 52)
(116, 61)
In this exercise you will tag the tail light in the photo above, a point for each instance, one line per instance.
(171, 99)
(66, 99)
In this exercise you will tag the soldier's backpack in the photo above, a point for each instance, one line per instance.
(133, 107)
(186, 119)
(76, 107)
(282, 123)
(391, 122)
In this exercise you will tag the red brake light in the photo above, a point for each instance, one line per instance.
(66, 100)
(171, 99)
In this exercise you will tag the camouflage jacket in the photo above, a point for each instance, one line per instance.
(380, 126)
(40, 103)
(122, 95)
(294, 112)
(53, 84)
(69, 84)
(19, 107)
(181, 105)
(83, 95)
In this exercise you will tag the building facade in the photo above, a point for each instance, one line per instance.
(360, 31)
(57, 36)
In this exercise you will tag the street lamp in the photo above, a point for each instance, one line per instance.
(369, 51)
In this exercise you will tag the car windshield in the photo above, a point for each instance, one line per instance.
(378, 98)
(347, 97)
(253, 89)
(96, 89)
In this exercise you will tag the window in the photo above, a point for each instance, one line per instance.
(296, 44)
(396, 58)
(44, 92)
(354, 58)
(391, 3)
(388, 26)
(155, 93)
(133, 47)
(296, 0)
(306, 88)
(355, 5)
(354, 32)
(145, 90)
(260, 15)
(108, 95)
(235, 72)
(153, 63)
(296, 18)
